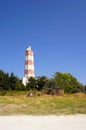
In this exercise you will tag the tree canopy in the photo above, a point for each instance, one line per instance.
(10, 81)
(68, 82)
(65, 81)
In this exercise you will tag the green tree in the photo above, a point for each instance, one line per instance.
(10, 81)
(15, 83)
(67, 82)
(42, 82)
(32, 83)
(85, 88)
(4, 80)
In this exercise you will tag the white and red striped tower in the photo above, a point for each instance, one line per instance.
(29, 65)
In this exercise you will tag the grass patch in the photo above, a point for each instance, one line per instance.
(18, 103)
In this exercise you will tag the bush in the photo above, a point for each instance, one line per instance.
(3, 93)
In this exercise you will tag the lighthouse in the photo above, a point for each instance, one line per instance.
(29, 65)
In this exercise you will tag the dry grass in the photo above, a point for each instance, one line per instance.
(42, 105)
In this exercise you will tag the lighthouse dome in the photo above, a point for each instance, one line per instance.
(28, 48)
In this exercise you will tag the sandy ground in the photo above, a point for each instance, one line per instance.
(69, 122)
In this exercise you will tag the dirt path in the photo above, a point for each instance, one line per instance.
(69, 122)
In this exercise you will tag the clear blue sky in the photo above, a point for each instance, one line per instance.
(55, 29)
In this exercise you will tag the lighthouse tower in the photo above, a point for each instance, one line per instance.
(29, 65)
